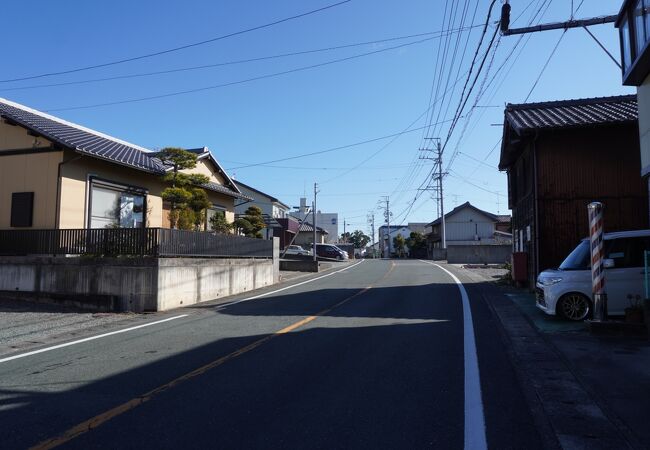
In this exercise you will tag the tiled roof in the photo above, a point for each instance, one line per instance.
(224, 190)
(504, 218)
(310, 228)
(81, 139)
(99, 145)
(468, 205)
(571, 113)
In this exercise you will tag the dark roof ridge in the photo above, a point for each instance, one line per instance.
(571, 102)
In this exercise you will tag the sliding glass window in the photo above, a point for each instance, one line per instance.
(115, 206)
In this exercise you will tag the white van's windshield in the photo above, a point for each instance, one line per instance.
(578, 259)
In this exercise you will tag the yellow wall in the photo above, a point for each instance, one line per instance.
(205, 167)
(74, 191)
(14, 137)
(36, 172)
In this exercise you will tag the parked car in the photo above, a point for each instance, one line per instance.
(296, 250)
(566, 291)
(346, 254)
(330, 251)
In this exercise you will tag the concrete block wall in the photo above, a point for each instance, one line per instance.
(187, 281)
(478, 254)
(135, 284)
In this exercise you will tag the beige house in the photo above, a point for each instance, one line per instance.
(56, 174)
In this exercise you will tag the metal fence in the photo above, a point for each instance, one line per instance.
(131, 241)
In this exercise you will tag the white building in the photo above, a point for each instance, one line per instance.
(468, 225)
(271, 207)
(386, 238)
(327, 221)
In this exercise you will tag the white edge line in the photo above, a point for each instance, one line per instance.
(92, 338)
(474, 414)
(287, 287)
(67, 344)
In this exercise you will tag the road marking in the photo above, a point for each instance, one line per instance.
(67, 344)
(104, 417)
(92, 338)
(474, 414)
(287, 287)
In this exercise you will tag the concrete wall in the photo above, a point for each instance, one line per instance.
(187, 281)
(479, 254)
(438, 254)
(136, 284)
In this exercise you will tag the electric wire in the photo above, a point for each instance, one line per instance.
(439, 34)
(179, 48)
(243, 81)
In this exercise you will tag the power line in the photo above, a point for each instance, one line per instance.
(182, 47)
(247, 80)
(545, 66)
(333, 149)
(439, 34)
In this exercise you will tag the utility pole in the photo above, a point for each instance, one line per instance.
(504, 25)
(582, 23)
(387, 217)
(315, 193)
(371, 221)
(443, 228)
(345, 238)
(438, 188)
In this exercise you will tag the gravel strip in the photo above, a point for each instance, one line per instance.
(24, 325)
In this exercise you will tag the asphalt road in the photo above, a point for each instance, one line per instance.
(373, 356)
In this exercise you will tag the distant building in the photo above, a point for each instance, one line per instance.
(327, 221)
(468, 225)
(387, 235)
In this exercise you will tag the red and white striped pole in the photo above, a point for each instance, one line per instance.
(597, 267)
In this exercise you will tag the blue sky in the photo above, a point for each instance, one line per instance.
(315, 109)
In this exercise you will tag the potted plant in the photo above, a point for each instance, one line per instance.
(634, 312)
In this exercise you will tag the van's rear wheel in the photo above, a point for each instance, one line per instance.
(574, 307)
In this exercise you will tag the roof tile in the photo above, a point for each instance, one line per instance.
(572, 113)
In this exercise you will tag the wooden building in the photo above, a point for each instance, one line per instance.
(562, 155)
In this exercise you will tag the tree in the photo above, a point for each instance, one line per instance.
(251, 223)
(398, 245)
(187, 200)
(417, 244)
(219, 224)
(358, 238)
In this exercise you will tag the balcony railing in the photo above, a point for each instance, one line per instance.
(157, 242)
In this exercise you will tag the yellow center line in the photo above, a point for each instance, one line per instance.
(104, 417)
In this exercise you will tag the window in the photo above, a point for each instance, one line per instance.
(213, 212)
(639, 27)
(578, 259)
(115, 206)
(22, 209)
(626, 48)
(627, 252)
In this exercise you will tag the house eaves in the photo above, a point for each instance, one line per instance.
(521, 121)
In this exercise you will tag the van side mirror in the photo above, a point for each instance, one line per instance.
(608, 263)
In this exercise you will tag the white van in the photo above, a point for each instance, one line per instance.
(567, 292)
